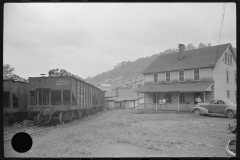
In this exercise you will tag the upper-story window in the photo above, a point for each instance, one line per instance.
(181, 76)
(227, 76)
(228, 58)
(196, 75)
(155, 78)
(226, 55)
(168, 77)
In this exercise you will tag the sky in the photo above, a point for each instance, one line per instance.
(87, 39)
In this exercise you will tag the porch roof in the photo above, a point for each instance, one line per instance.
(178, 87)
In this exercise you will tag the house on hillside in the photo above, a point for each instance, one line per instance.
(123, 99)
(105, 87)
(181, 76)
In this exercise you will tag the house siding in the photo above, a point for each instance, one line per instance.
(205, 76)
(110, 104)
(221, 86)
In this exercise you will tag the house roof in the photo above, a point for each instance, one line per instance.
(196, 58)
(111, 93)
(178, 87)
(124, 94)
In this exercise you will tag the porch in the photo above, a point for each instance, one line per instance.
(179, 97)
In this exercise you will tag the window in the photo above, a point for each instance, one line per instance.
(181, 76)
(214, 102)
(227, 76)
(181, 98)
(168, 97)
(226, 57)
(196, 75)
(168, 77)
(228, 94)
(230, 59)
(155, 79)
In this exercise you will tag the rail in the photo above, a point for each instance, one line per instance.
(32, 133)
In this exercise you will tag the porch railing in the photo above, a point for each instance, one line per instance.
(164, 107)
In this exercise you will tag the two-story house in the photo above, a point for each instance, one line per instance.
(181, 76)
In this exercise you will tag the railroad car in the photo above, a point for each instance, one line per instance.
(62, 99)
(15, 95)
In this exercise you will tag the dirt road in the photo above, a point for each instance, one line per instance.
(126, 133)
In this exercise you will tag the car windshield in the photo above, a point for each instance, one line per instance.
(229, 102)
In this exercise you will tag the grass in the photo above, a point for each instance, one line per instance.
(159, 132)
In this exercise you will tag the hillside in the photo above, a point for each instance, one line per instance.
(128, 74)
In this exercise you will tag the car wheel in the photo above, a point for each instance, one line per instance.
(230, 114)
(197, 112)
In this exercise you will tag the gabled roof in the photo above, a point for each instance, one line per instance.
(124, 94)
(111, 93)
(196, 58)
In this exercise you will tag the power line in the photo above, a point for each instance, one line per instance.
(221, 26)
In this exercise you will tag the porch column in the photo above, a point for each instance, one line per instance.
(204, 98)
(138, 99)
(37, 97)
(156, 101)
(178, 101)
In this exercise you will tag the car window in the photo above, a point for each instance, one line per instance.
(214, 101)
(221, 102)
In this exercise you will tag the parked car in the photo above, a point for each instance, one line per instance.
(216, 106)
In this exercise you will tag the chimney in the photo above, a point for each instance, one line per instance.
(117, 92)
(181, 51)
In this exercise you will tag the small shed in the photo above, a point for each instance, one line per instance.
(126, 99)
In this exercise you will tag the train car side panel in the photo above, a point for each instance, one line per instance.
(74, 92)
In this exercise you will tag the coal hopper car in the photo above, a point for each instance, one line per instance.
(15, 94)
(62, 99)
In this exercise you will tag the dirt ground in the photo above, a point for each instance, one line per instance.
(133, 133)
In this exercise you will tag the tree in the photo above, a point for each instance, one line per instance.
(202, 45)
(190, 46)
(209, 44)
(7, 70)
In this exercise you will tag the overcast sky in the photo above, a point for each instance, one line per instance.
(89, 38)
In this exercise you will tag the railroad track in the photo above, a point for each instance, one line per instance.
(33, 132)
(17, 130)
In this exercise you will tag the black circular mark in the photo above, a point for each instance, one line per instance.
(21, 142)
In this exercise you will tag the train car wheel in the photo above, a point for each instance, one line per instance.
(75, 117)
(80, 114)
(67, 117)
(60, 118)
(87, 112)
(39, 119)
